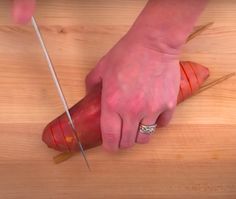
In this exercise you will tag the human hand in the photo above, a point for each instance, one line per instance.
(139, 85)
(22, 10)
(140, 74)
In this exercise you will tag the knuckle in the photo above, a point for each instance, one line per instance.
(152, 108)
(111, 100)
(133, 111)
(110, 104)
(134, 108)
(171, 105)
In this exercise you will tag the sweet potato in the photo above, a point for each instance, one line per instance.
(86, 113)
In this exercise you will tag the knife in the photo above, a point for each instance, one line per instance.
(58, 86)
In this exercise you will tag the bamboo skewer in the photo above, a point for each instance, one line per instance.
(197, 31)
(61, 157)
(66, 155)
(215, 82)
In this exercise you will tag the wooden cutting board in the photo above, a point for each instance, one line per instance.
(194, 157)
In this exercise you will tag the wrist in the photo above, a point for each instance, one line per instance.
(165, 25)
(161, 40)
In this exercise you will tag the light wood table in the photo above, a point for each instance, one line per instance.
(194, 157)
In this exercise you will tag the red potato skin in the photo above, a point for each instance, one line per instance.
(86, 113)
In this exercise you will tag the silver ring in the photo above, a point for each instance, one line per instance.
(147, 129)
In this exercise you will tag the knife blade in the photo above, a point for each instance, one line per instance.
(58, 86)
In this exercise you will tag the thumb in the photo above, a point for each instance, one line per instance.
(23, 10)
(93, 78)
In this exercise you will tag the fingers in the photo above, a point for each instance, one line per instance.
(144, 138)
(111, 129)
(165, 117)
(129, 132)
(115, 137)
(122, 130)
(23, 10)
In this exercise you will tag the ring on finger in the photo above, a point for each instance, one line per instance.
(147, 129)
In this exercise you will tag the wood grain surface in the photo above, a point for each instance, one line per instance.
(194, 157)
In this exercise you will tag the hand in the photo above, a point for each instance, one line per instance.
(22, 10)
(139, 85)
(140, 75)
